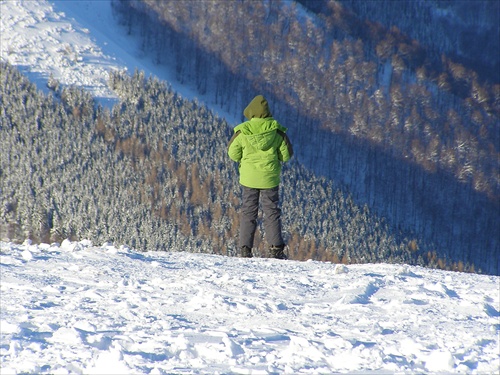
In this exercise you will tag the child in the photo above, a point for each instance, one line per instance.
(260, 145)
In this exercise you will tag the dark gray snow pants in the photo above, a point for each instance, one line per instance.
(249, 212)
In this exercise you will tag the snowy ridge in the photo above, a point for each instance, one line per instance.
(78, 43)
(44, 44)
(77, 308)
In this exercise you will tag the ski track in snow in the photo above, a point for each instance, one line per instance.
(77, 308)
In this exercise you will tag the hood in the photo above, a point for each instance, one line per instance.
(260, 132)
(258, 108)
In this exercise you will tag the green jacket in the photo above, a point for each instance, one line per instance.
(259, 145)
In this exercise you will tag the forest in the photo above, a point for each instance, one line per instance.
(397, 154)
(153, 173)
(413, 138)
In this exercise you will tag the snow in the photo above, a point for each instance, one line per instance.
(79, 42)
(83, 309)
(44, 43)
(76, 308)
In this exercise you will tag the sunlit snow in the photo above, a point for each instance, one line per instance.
(78, 42)
(78, 308)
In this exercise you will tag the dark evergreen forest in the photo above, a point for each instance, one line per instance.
(397, 148)
(153, 173)
(466, 31)
(413, 138)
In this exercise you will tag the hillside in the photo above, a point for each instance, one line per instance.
(415, 141)
(389, 167)
(467, 31)
(164, 187)
(79, 308)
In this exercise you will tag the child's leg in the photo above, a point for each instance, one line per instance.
(272, 216)
(248, 217)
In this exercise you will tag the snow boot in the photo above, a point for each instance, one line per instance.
(277, 252)
(246, 252)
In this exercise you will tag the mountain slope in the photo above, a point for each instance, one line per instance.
(78, 308)
(432, 209)
(416, 142)
(467, 30)
(168, 186)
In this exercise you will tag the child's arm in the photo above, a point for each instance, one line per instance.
(285, 151)
(234, 148)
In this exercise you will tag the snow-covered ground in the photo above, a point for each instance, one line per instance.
(81, 309)
(44, 42)
(78, 42)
